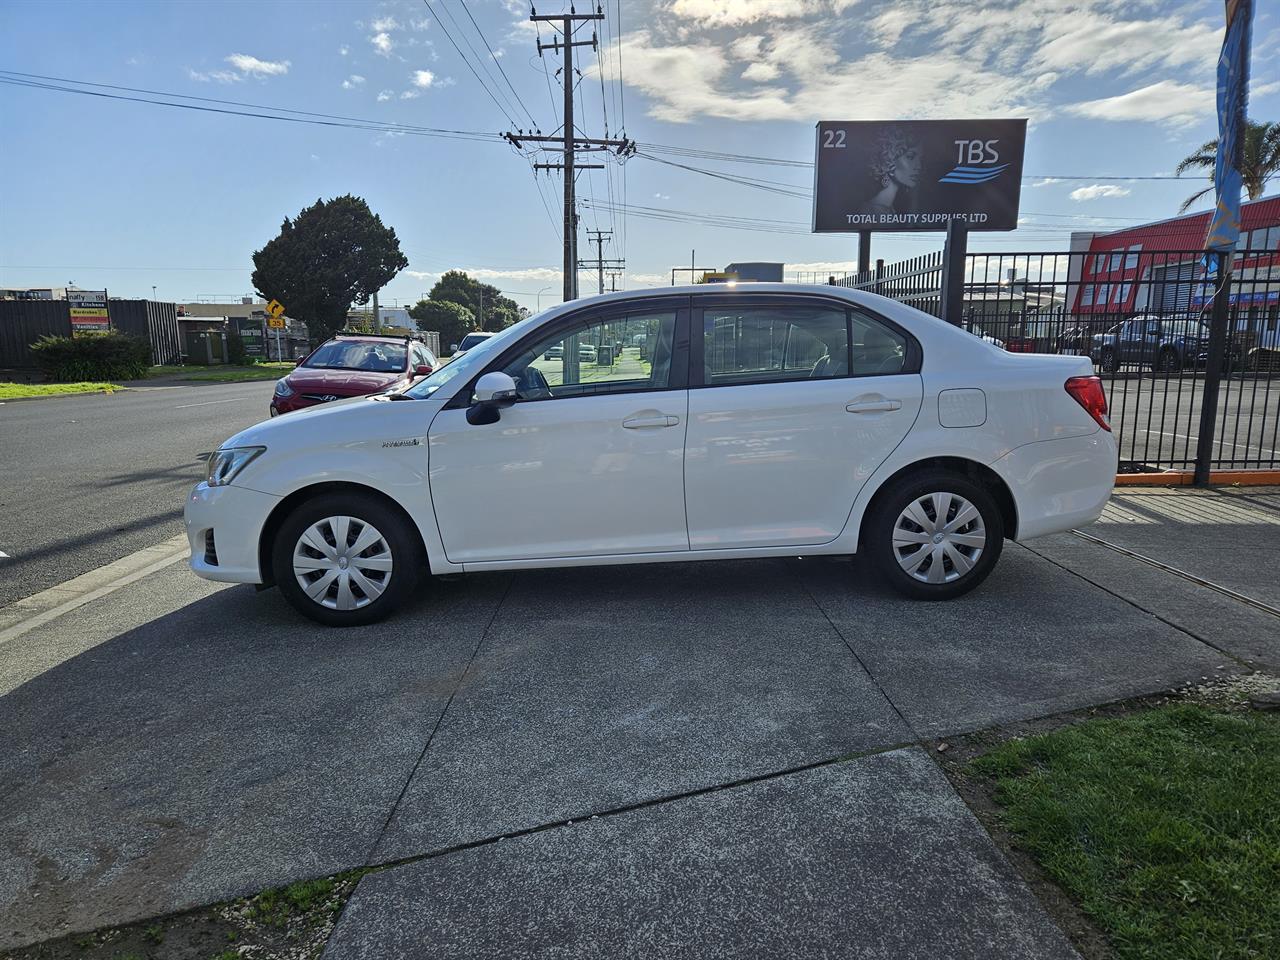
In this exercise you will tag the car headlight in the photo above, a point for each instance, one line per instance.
(226, 463)
(283, 389)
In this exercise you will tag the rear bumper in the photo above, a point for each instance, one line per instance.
(1060, 484)
(235, 518)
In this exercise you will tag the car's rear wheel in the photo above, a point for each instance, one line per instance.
(934, 535)
(345, 560)
(1167, 361)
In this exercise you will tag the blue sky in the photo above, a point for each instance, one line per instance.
(129, 195)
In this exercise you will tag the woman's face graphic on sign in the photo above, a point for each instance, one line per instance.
(906, 170)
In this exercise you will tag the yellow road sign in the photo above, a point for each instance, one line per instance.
(276, 309)
(275, 323)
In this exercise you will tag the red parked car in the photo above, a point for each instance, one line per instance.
(352, 365)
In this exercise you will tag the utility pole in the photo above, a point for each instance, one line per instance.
(569, 142)
(600, 263)
(613, 280)
(377, 321)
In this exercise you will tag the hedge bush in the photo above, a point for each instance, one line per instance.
(103, 356)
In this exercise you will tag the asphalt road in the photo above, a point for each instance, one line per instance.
(1157, 420)
(87, 480)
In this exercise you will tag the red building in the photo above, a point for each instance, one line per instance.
(1159, 268)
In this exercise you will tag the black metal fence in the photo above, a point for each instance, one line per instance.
(23, 322)
(1143, 317)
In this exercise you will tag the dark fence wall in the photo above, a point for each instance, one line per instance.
(157, 322)
(23, 322)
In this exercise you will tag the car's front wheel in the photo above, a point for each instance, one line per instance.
(934, 535)
(345, 560)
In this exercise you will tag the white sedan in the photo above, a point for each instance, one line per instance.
(758, 421)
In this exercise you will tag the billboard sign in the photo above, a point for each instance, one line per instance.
(251, 335)
(904, 175)
(88, 311)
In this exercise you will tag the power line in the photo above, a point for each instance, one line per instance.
(464, 59)
(496, 61)
(14, 78)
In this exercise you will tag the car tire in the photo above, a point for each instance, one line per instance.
(1167, 362)
(366, 577)
(907, 511)
(1109, 362)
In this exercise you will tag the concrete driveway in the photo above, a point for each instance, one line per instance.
(700, 759)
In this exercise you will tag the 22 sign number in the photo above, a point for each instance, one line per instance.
(833, 139)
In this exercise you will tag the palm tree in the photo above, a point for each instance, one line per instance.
(1260, 160)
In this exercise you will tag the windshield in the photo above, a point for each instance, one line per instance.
(471, 362)
(471, 339)
(358, 355)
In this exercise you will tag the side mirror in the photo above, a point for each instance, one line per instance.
(494, 391)
(298, 362)
(422, 369)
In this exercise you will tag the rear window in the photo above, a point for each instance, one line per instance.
(359, 355)
(471, 339)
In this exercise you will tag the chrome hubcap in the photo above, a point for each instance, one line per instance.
(939, 537)
(342, 563)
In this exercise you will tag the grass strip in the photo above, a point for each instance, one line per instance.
(18, 391)
(1163, 825)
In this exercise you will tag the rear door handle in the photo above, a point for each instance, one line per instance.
(873, 406)
(637, 423)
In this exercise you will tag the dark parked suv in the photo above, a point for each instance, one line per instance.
(1165, 344)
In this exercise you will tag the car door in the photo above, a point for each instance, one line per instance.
(589, 461)
(793, 404)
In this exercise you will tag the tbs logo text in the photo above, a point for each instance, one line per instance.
(971, 153)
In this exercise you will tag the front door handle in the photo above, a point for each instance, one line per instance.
(873, 406)
(637, 423)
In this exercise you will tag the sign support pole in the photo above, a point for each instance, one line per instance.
(864, 251)
(953, 263)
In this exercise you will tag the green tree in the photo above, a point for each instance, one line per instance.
(329, 256)
(452, 320)
(1259, 160)
(485, 302)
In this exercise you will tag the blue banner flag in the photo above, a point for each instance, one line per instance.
(1233, 101)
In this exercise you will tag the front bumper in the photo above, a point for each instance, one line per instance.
(224, 526)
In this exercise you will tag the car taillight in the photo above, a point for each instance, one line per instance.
(1088, 392)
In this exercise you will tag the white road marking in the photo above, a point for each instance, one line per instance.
(3, 555)
(182, 406)
(25, 615)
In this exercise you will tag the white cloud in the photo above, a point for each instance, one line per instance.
(837, 267)
(731, 13)
(1096, 190)
(422, 78)
(661, 196)
(385, 95)
(214, 76)
(420, 24)
(888, 26)
(258, 68)
(384, 25)
(761, 72)
(1098, 43)
(912, 58)
(343, 50)
(353, 81)
(1046, 182)
(1180, 103)
(382, 44)
(747, 48)
(410, 94)
(649, 279)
